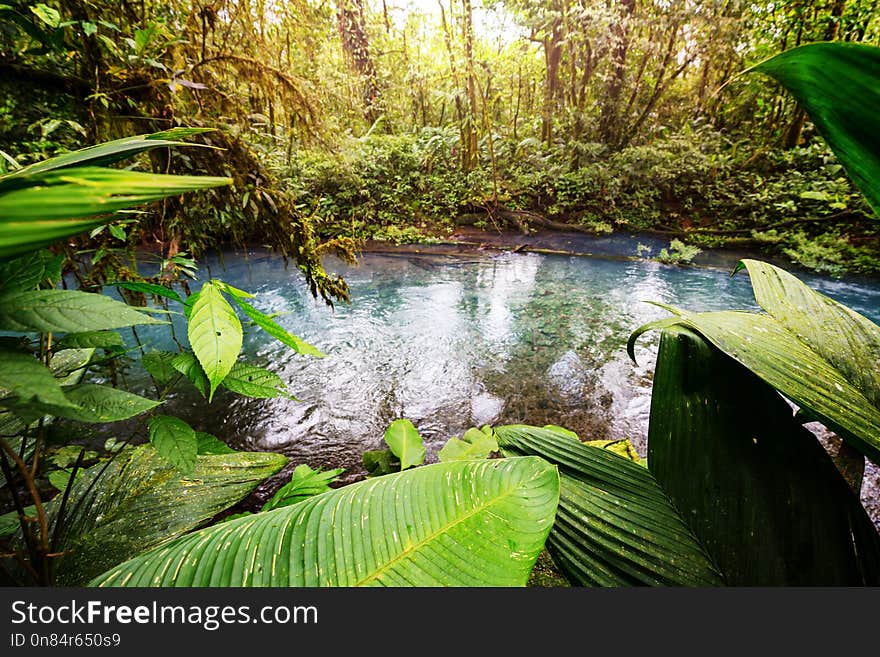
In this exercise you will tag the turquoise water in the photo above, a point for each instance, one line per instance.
(452, 342)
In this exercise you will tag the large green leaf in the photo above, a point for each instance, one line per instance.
(66, 311)
(271, 327)
(40, 209)
(188, 365)
(756, 487)
(782, 360)
(214, 334)
(405, 443)
(615, 525)
(175, 440)
(27, 379)
(468, 523)
(253, 381)
(102, 404)
(849, 341)
(839, 86)
(142, 501)
(111, 151)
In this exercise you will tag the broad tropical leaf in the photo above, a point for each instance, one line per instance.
(474, 444)
(468, 523)
(304, 483)
(271, 327)
(214, 334)
(405, 443)
(615, 525)
(253, 381)
(784, 361)
(66, 311)
(759, 491)
(850, 342)
(142, 501)
(111, 151)
(175, 441)
(39, 209)
(837, 84)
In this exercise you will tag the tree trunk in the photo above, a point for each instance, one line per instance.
(609, 121)
(470, 149)
(356, 45)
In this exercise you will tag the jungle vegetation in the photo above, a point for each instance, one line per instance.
(183, 126)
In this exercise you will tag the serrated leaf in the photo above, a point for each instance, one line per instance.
(159, 365)
(88, 28)
(66, 311)
(91, 340)
(475, 444)
(468, 523)
(28, 380)
(148, 288)
(187, 364)
(102, 404)
(405, 443)
(271, 327)
(175, 441)
(210, 444)
(304, 483)
(252, 381)
(215, 335)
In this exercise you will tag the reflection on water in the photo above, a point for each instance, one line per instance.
(456, 342)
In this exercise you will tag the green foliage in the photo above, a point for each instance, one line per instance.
(825, 77)
(215, 335)
(679, 253)
(615, 525)
(468, 523)
(175, 441)
(304, 484)
(141, 501)
(405, 443)
(474, 444)
(762, 495)
(812, 349)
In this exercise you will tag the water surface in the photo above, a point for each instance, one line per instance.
(452, 342)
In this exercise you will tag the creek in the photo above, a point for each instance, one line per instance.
(457, 338)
